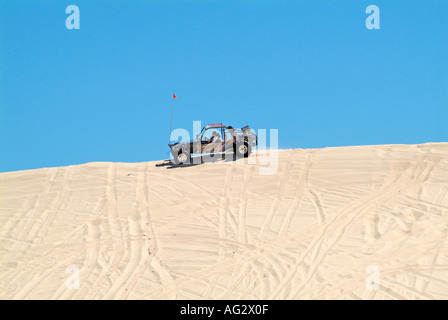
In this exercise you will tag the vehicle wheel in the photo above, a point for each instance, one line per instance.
(182, 157)
(242, 149)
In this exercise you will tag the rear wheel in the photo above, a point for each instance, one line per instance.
(182, 157)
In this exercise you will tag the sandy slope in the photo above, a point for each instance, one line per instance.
(143, 231)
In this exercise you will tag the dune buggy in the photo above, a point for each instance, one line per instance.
(216, 139)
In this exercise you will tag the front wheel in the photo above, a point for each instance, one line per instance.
(242, 149)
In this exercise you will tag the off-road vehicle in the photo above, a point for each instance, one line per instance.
(216, 139)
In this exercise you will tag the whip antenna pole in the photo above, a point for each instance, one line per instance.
(171, 121)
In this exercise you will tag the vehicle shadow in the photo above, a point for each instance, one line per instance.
(198, 160)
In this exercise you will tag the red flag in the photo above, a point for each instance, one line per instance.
(174, 96)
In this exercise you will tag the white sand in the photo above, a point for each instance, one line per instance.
(137, 231)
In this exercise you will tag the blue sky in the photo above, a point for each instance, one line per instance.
(310, 69)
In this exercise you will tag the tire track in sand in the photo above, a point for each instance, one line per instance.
(118, 247)
(277, 200)
(222, 232)
(347, 214)
(145, 244)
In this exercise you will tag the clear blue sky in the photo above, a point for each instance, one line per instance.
(310, 69)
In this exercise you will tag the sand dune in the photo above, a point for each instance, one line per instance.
(327, 224)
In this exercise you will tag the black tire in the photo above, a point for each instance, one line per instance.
(182, 157)
(242, 149)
